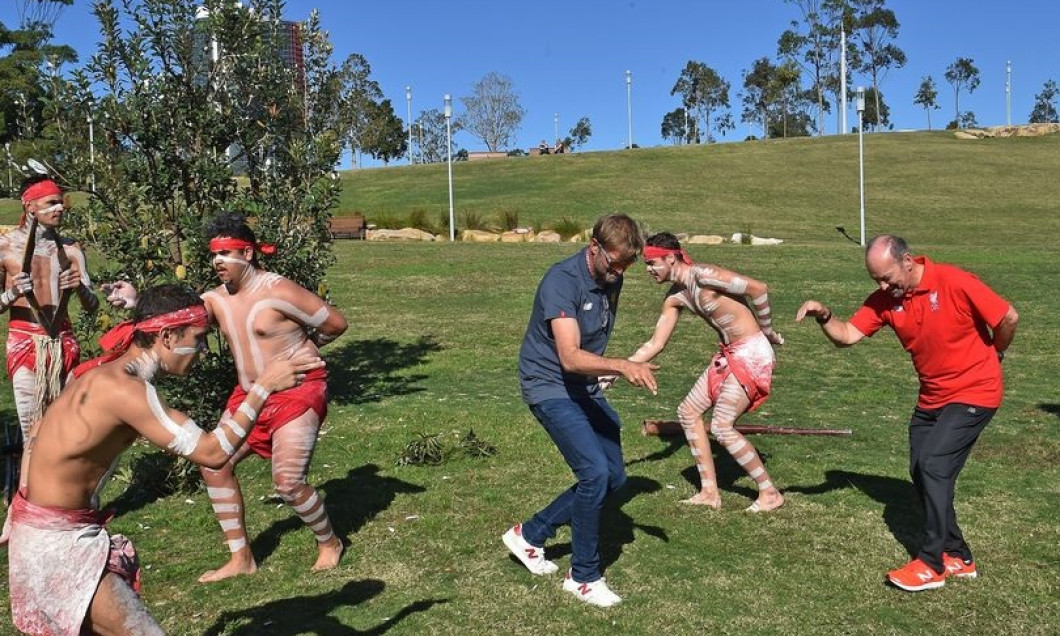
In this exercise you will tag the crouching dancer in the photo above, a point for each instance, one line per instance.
(66, 574)
(739, 377)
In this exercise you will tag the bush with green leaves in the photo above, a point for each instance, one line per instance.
(181, 103)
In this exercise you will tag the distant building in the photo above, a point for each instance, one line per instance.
(206, 53)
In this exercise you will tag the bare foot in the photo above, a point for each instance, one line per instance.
(234, 567)
(330, 553)
(704, 499)
(766, 502)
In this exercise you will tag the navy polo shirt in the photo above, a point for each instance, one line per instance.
(566, 291)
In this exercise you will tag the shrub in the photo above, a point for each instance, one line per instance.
(473, 220)
(418, 219)
(567, 227)
(509, 219)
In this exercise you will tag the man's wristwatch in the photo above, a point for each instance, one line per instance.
(822, 319)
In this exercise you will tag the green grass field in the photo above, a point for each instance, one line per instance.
(432, 350)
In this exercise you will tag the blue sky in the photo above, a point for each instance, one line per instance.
(569, 57)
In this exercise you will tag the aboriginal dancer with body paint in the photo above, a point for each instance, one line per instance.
(40, 271)
(739, 376)
(265, 317)
(66, 574)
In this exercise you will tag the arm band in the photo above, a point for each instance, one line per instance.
(825, 318)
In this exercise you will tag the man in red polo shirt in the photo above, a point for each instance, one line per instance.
(956, 329)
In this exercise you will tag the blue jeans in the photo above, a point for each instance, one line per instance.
(588, 435)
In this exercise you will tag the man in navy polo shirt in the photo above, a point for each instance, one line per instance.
(560, 365)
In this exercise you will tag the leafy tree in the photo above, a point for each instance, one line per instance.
(361, 96)
(25, 51)
(579, 134)
(172, 119)
(1045, 105)
(384, 135)
(873, 118)
(429, 133)
(875, 30)
(961, 74)
(492, 111)
(927, 96)
(814, 44)
(758, 93)
(772, 98)
(704, 93)
(674, 127)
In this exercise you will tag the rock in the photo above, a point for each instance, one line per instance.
(404, 234)
(548, 236)
(479, 236)
(756, 240)
(515, 236)
(703, 239)
(960, 134)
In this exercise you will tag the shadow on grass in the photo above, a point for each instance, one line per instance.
(901, 512)
(351, 501)
(310, 614)
(728, 471)
(1050, 408)
(371, 370)
(616, 527)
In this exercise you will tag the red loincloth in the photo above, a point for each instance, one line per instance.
(20, 350)
(283, 407)
(751, 361)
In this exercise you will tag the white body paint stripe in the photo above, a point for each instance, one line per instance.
(230, 524)
(225, 508)
(234, 427)
(309, 503)
(235, 545)
(215, 493)
(249, 411)
(185, 437)
(222, 439)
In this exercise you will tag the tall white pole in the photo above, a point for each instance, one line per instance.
(629, 107)
(408, 102)
(92, 149)
(1008, 93)
(449, 160)
(843, 78)
(555, 125)
(861, 158)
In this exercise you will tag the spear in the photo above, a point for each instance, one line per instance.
(666, 428)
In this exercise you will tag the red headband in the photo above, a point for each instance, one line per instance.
(228, 243)
(45, 188)
(650, 252)
(118, 340)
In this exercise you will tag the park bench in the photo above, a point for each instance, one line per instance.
(347, 227)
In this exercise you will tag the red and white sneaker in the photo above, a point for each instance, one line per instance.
(529, 555)
(916, 576)
(595, 593)
(958, 567)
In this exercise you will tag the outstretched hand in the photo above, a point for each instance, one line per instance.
(811, 308)
(642, 374)
(280, 375)
(120, 294)
(773, 337)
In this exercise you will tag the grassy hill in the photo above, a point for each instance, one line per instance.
(435, 332)
(929, 187)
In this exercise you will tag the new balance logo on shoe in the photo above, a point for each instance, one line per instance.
(594, 592)
(531, 556)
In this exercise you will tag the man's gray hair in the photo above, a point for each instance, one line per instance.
(896, 245)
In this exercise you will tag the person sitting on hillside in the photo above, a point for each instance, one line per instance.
(542, 148)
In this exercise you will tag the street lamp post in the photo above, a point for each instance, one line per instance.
(7, 151)
(1008, 93)
(92, 148)
(555, 125)
(408, 102)
(629, 107)
(449, 160)
(861, 157)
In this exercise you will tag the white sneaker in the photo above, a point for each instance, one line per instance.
(531, 556)
(595, 593)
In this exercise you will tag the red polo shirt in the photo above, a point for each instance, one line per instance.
(943, 324)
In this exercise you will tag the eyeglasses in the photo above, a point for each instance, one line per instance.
(615, 265)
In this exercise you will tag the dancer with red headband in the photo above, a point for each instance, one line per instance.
(66, 574)
(265, 317)
(739, 377)
(37, 279)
